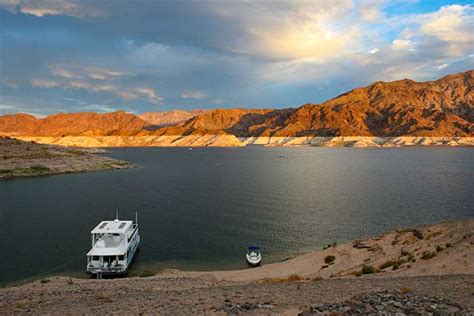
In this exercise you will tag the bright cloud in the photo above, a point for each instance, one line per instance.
(193, 94)
(135, 93)
(77, 72)
(402, 44)
(452, 23)
(50, 7)
(374, 51)
(291, 30)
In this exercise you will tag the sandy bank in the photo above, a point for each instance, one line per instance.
(441, 249)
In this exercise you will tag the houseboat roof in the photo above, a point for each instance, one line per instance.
(112, 227)
(116, 251)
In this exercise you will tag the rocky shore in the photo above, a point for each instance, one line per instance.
(422, 270)
(28, 158)
(227, 140)
(400, 302)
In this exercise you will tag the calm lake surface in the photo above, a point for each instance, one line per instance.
(201, 208)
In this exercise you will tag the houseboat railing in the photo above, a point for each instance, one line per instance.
(106, 269)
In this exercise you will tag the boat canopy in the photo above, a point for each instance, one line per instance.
(112, 227)
(254, 248)
(107, 251)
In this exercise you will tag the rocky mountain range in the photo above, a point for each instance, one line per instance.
(441, 108)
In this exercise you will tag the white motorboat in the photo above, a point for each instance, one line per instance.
(114, 244)
(254, 257)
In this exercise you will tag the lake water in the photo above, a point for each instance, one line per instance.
(200, 209)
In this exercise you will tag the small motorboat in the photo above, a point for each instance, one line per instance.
(254, 257)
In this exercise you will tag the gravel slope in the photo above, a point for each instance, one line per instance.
(208, 296)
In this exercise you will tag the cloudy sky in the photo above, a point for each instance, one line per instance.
(68, 55)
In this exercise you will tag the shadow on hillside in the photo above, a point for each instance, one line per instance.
(254, 124)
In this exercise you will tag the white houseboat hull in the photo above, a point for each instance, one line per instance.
(114, 246)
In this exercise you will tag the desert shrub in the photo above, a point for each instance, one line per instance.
(405, 290)
(395, 266)
(76, 152)
(367, 269)
(103, 298)
(329, 259)
(404, 230)
(69, 281)
(294, 277)
(39, 168)
(418, 234)
(291, 278)
(448, 245)
(439, 248)
(146, 273)
(428, 255)
(44, 281)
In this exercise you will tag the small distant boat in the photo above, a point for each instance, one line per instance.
(254, 257)
(114, 244)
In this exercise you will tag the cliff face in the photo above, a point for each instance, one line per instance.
(441, 108)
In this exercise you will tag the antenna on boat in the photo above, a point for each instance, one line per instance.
(136, 218)
(116, 214)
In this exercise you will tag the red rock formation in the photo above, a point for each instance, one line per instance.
(444, 107)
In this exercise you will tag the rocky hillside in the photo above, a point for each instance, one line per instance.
(441, 108)
(388, 109)
(169, 118)
(67, 124)
(437, 108)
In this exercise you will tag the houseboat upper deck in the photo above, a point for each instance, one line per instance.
(114, 244)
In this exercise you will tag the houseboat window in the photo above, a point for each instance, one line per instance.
(95, 258)
(121, 257)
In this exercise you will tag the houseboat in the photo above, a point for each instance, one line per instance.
(114, 243)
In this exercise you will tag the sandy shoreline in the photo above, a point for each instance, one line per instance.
(441, 249)
(434, 260)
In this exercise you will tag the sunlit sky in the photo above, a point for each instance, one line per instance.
(68, 56)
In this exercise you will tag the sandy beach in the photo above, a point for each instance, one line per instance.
(424, 269)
